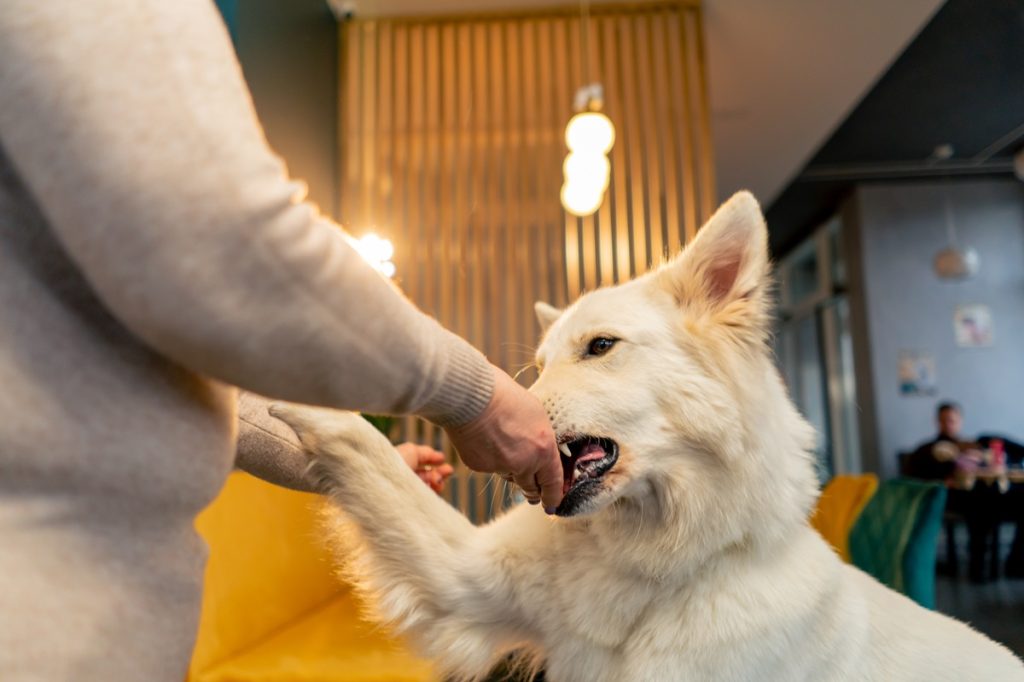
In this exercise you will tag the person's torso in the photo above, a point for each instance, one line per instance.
(88, 409)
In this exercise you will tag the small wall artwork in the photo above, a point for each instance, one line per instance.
(973, 325)
(917, 373)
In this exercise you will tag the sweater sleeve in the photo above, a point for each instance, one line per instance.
(131, 125)
(268, 448)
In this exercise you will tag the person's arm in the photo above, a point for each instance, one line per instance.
(132, 127)
(268, 448)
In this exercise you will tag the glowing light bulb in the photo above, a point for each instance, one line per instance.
(590, 130)
(375, 248)
(589, 169)
(581, 200)
(377, 252)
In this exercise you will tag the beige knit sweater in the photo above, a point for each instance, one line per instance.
(153, 254)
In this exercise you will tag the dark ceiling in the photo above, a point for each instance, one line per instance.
(960, 82)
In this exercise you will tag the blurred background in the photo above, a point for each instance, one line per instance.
(884, 140)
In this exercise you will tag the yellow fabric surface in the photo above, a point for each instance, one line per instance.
(272, 608)
(841, 502)
(265, 568)
(329, 644)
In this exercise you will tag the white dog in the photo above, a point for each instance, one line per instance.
(681, 550)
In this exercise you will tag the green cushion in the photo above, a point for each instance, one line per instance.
(894, 539)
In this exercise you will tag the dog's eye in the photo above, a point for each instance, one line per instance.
(600, 345)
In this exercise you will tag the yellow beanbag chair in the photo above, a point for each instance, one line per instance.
(840, 504)
(273, 611)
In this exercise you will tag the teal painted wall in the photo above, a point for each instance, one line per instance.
(289, 55)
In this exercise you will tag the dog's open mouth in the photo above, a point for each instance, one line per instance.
(585, 460)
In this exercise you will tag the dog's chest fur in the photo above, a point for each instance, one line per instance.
(606, 623)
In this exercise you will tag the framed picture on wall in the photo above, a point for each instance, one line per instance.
(973, 325)
(917, 373)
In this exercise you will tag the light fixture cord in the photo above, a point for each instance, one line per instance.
(950, 229)
(585, 25)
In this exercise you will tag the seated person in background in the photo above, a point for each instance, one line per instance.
(954, 460)
(950, 459)
(948, 454)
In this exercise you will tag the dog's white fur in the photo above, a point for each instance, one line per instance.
(695, 560)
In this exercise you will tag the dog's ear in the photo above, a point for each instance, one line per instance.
(725, 268)
(546, 314)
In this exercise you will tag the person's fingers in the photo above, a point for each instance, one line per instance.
(528, 484)
(429, 456)
(434, 479)
(409, 454)
(550, 479)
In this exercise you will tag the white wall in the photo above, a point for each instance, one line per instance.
(902, 226)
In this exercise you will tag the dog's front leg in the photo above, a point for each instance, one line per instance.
(426, 569)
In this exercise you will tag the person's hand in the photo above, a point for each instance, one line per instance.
(427, 463)
(974, 454)
(513, 437)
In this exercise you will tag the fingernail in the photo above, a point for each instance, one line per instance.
(549, 511)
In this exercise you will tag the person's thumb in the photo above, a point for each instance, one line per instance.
(550, 480)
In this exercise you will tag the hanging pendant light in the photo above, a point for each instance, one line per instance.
(589, 136)
(954, 261)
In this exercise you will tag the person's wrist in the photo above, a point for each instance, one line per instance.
(466, 390)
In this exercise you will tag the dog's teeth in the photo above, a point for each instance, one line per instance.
(564, 447)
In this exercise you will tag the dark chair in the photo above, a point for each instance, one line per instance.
(951, 518)
(894, 538)
(1014, 450)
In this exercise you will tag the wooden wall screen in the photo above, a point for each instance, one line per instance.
(452, 142)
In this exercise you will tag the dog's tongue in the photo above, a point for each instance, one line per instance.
(590, 452)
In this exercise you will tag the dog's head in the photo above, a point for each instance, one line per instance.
(664, 396)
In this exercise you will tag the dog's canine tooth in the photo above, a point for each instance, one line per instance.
(564, 447)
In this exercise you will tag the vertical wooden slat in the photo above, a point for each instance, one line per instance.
(461, 181)
(445, 190)
(590, 261)
(707, 165)
(513, 216)
(530, 170)
(604, 222)
(477, 177)
(682, 105)
(491, 303)
(383, 191)
(430, 244)
(634, 152)
(649, 99)
(617, 198)
(368, 129)
(567, 67)
(667, 126)
(406, 244)
(554, 244)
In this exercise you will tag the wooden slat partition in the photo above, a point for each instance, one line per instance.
(452, 142)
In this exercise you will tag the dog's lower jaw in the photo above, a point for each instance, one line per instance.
(581, 498)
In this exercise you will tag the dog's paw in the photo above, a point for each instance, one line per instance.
(329, 432)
